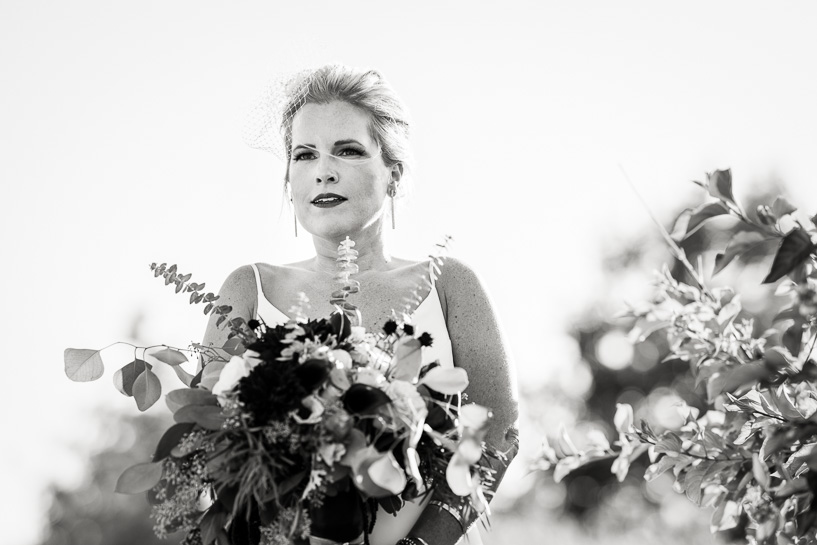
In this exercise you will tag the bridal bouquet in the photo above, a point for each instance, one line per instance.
(750, 452)
(304, 430)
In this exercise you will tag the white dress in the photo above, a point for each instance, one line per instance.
(428, 317)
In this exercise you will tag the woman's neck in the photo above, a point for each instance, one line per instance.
(370, 244)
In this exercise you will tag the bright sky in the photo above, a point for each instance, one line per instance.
(120, 137)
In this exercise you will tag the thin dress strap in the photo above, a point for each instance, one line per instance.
(432, 276)
(260, 292)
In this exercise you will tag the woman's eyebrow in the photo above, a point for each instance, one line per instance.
(348, 141)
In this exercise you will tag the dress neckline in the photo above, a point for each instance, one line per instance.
(285, 316)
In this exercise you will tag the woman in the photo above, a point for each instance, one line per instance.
(345, 140)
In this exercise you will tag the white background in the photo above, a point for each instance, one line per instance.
(120, 145)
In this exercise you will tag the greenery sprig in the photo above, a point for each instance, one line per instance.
(196, 291)
(136, 378)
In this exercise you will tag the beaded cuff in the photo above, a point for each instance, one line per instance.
(450, 510)
(408, 540)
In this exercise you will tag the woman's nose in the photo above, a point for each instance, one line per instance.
(327, 176)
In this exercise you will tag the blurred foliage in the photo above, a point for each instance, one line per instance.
(93, 514)
(623, 372)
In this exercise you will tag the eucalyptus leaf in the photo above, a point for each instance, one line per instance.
(449, 381)
(125, 377)
(171, 438)
(208, 417)
(408, 358)
(146, 389)
(177, 399)
(170, 356)
(184, 376)
(82, 364)
(234, 346)
(139, 478)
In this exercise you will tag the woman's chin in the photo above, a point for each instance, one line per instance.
(337, 230)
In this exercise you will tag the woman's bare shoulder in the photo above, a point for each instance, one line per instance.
(457, 279)
(239, 288)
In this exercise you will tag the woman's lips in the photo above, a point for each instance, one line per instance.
(328, 200)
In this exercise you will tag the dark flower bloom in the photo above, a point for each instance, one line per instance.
(271, 391)
(318, 329)
(409, 329)
(425, 339)
(390, 327)
(254, 324)
(312, 373)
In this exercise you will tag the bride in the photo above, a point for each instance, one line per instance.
(345, 141)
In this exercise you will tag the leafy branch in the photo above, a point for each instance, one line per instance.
(752, 455)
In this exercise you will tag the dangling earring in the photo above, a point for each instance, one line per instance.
(392, 192)
(294, 217)
(288, 189)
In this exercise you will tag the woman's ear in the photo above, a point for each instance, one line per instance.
(396, 173)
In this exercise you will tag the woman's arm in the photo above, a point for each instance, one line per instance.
(479, 348)
(240, 292)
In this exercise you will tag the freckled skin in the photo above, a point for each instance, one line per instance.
(477, 342)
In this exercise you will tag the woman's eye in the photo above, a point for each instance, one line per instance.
(303, 156)
(350, 152)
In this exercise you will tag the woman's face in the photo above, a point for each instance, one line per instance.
(338, 179)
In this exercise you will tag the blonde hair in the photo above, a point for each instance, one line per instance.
(365, 89)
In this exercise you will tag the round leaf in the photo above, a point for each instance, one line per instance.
(206, 416)
(449, 381)
(408, 358)
(146, 389)
(234, 347)
(170, 439)
(83, 365)
(170, 356)
(210, 374)
(458, 476)
(125, 377)
(139, 478)
(387, 473)
(189, 396)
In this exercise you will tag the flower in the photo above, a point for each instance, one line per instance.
(425, 339)
(236, 369)
(390, 327)
(357, 334)
(407, 401)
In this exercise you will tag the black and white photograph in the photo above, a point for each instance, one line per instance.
(392, 273)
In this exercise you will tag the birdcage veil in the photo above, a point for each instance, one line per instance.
(270, 112)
